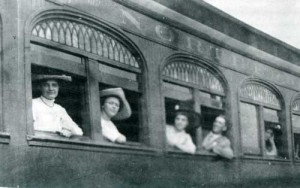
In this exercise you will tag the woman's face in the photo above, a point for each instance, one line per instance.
(181, 122)
(49, 89)
(111, 106)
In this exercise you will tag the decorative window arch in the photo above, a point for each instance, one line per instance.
(261, 114)
(84, 37)
(98, 54)
(260, 94)
(188, 78)
(193, 74)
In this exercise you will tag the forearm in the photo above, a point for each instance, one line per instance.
(187, 148)
(223, 151)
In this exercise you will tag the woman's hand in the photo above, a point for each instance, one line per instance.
(65, 133)
(121, 139)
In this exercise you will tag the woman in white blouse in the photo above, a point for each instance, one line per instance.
(114, 107)
(47, 115)
(176, 134)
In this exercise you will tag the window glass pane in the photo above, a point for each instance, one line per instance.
(213, 101)
(271, 115)
(249, 129)
(129, 127)
(204, 94)
(56, 53)
(71, 96)
(296, 123)
(117, 72)
(177, 92)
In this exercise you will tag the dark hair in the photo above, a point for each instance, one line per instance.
(103, 99)
(186, 114)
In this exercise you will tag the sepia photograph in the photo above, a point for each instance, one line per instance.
(149, 94)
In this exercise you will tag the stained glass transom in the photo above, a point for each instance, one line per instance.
(86, 38)
(192, 73)
(259, 94)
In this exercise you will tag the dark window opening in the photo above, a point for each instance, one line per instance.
(276, 127)
(297, 145)
(208, 117)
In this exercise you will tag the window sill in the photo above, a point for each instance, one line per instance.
(297, 161)
(266, 159)
(86, 143)
(200, 154)
(4, 138)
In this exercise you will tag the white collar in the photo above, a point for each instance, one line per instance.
(47, 102)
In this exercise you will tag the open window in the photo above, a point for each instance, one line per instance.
(296, 127)
(72, 96)
(97, 56)
(262, 122)
(188, 79)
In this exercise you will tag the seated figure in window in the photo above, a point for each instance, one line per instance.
(270, 145)
(297, 146)
(216, 142)
(176, 135)
(114, 107)
(47, 115)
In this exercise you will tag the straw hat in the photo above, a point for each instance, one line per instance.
(125, 111)
(41, 77)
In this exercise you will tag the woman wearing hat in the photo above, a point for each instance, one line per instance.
(47, 115)
(176, 134)
(114, 107)
(270, 146)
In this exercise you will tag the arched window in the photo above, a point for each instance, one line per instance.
(97, 56)
(186, 78)
(296, 126)
(261, 120)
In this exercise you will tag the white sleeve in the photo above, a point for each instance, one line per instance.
(109, 131)
(68, 123)
(34, 110)
(188, 145)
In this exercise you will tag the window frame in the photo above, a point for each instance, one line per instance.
(205, 64)
(4, 134)
(93, 92)
(261, 121)
(297, 113)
